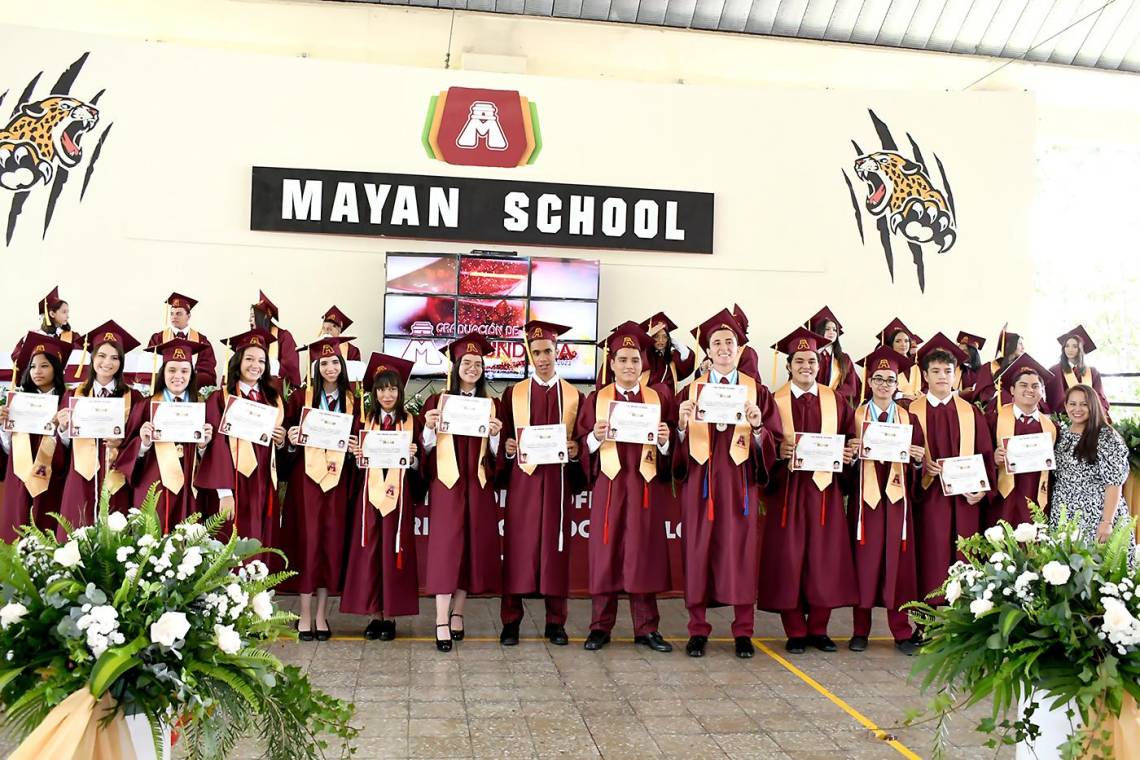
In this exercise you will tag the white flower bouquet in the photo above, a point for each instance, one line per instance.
(119, 619)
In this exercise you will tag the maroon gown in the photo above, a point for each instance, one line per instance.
(1014, 509)
(848, 386)
(376, 579)
(79, 501)
(313, 522)
(288, 360)
(1055, 389)
(205, 363)
(538, 510)
(805, 559)
(659, 365)
(19, 508)
(464, 547)
(749, 364)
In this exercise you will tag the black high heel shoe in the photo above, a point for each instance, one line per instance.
(443, 645)
(322, 635)
(305, 635)
(457, 635)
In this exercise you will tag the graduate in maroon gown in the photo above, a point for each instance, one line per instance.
(627, 544)
(721, 467)
(284, 367)
(334, 323)
(145, 459)
(244, 474)
(37, 464)
(836, 369)
(1026, 380)
(951, 427)
(55, 320)
(902, 339)
(880, 510)
(464, 548)
(1072, 370)
(382, 577)
(670, 363)
(986, 385)
(205, 363)
(93, 469)
(806, 568)
(314, 515)
(972, 345)
(749, 362)
(540, 497)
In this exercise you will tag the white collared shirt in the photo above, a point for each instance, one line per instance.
(546, 383)
(935, 401)
(97, 388)
(244, 389)
(1020, 413)
(732, 377)
(797, 391)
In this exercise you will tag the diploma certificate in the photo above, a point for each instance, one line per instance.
(721, 403)
(96, 417)
(465, 415)
(962, 475)
(385, 449)
(1029, 453)
(542, 444)
(818, 452)
(249, 420)
(633, 423)
(31, 413)
(325, 430)
(885, 442)
(178, 422)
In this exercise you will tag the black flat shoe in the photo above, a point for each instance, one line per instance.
(654, 641)
(822, 643)
(443, 645)
(696, 646)
(387, 630)
(796, 645)
(556, 634)
(509, 637)
(907, 647)
(596, 640)
(305, 635)
(858, 644)
(744, 647)
(456, 633)
(373, 630)
(324, 635)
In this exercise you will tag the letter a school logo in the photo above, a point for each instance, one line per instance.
(475, 127)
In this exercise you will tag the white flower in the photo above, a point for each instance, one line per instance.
(116, 521)
(1116, 616)
(146, 540)
(190, 562)
(953, 591)
(1025, 578)
(263, 605)
(123, 552)
(980, 607)
(67, 555)
(1025, 533)
(228, 639)
(81, 532)
(1056, 573)
(169, 628)
(995, 535)
(998, 557)
(235, 592)
(193, 531)
(11, 613)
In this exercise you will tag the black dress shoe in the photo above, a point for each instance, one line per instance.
(305, 635)
(373, 629)
(456, 633)
(796, 645)
(857, 644)
(907, 647)
(443, 645)
(822, 643)
(917, 638)
(596, 640)
(510, 635)
(556, 634)
(387, 630)
(654, 641)
(696, 646)
(744, 647)
(324, 635)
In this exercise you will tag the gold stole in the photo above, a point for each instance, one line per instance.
(275, 347)
(242, 453)
(85, 454)
(1071, 377)
(965, 429)
(322, 465)
(837, 373)
(911, 385)
(385, 489)
(447, 466)
(829, 421)
(35, 473)
(699, 448)
(191, 335)
(1005, 428)
(169, 467)
(520, 410)
(870, 474)
(957, 379)
(611, 465)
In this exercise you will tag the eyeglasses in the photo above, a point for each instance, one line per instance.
(884, 381)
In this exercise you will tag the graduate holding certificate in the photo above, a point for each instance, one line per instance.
(36, 465)
(205, 364)
(1021, 427)
(542, 410)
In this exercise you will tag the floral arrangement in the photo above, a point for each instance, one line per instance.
(167, 626)
(1129, 430)
(1034, 610)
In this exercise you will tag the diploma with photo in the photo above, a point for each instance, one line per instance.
(885, 442)
(321, 429)
(178, 422)
(1032, 452)
(963, 475)
(818, 452)
(721, 403)
(248, 420)
(385, 449)
(96, 417)
(631, 422)
(542, 444)
(31, 412)
(465, 415)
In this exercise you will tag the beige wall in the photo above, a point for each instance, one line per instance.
(169, 203)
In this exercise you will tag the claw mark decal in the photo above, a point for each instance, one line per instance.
(43, 139)
(904, 200)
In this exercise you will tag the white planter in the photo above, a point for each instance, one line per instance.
(142, 739)
(1055, 725)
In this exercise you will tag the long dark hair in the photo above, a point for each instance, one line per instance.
(388, 379)
(48, 325)
(1086, 448)
(973, 358)
(28, 386)
(894, 334)
(121, 388)
(480, 384)
(318, 382)
(1009, 350)
(233, 373)
(262, 320)
(820, 325)
(191, 387)
(1079, 366)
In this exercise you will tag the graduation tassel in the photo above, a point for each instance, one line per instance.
(822, 508)
(166, 528)
(775, 365)
(400, 525)
(606, 515)
(784, 511)
(363, 510)
(904, 519)
(859, 525)
(83, 360)
(744, 487)
(645, 496)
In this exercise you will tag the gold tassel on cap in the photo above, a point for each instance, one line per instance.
(775, 364)
(82, 360)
